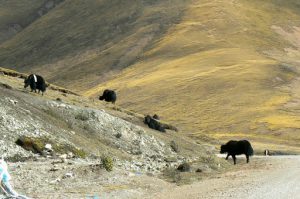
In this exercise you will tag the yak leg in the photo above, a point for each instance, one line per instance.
(234, 159)
(247, 156)
(227, 157)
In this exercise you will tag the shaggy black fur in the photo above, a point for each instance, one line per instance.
(234, 148)
(155, 116)
(154, 124)
(109, 96)
(40, 85)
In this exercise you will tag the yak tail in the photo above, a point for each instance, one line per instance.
(250, 150)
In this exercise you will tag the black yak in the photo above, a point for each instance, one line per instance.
(154, 124)
(234, 148)
(109, 96)
(35, 82)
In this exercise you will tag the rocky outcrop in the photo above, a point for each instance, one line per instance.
(33, 118)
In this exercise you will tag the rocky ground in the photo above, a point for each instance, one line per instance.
(264, 177)
(80, 132)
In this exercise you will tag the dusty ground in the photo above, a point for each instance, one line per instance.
(33, 115)
(265, 177)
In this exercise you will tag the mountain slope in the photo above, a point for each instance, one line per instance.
(15, 15)
(87, 40)
(226, 69)
(89, 138)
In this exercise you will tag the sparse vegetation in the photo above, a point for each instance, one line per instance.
(37, 145)
(83, 116)
(5, 86)
(107, 162)
(210, 74)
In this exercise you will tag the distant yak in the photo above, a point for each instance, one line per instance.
(109, 96)
(154, 124)
(234, 148)
(36, 82)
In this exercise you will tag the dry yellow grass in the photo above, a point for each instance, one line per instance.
(16, 15)
(211, 67)
(215, 72)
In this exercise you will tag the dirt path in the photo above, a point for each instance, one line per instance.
(265, 177)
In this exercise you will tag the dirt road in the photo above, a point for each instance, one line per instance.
(265, 177)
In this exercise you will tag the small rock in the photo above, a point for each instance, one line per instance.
(54, 168)
(48, 147)
(14, 102)
(63, 156)
(184, 167)
(70, 163)
(68, 175)
(199, 170)
(55, 181)
(174, 146)
(171, 159)
(70, 155)
(118, 135)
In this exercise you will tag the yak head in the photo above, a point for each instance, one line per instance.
(101, 97)
(223, 149)
(27, 81)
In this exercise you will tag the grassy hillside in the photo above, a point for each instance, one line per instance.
(80, 44)
(15, 15)
(219, 69)
(227, 70)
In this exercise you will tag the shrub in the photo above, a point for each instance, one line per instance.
(37, 145)
(107, 163)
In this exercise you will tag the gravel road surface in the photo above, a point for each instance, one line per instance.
(273, 177)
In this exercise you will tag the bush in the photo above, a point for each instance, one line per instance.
(37, 145)
(107, 163)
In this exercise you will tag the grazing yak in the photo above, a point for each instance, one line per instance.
(35, 82)
(234, 148)
(109, 96)
(154, 124)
